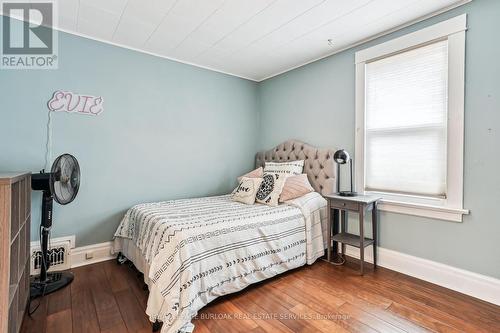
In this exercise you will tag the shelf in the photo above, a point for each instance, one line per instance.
(15, 245)
(351, 239)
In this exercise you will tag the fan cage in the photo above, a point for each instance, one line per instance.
(70, 174)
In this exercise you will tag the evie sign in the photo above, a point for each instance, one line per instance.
(66, 101)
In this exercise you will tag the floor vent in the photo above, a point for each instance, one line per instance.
(58, 256)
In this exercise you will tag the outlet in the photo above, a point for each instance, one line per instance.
(89, 255)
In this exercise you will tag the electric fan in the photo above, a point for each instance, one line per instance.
(61, 185)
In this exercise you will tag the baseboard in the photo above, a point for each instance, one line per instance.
(476, 285)
(78, 256)
(99, 252)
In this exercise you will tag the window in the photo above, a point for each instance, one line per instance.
(405, 128)
(409, 121)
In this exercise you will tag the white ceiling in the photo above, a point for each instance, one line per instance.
(254, 39)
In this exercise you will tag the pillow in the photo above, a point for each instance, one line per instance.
(246, 190)
(270, 189)
(257, 173)
(295, 186)
(285, 168)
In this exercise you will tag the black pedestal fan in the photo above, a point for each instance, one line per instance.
(61, 185)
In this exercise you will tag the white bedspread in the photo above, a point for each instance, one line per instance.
(200, 249)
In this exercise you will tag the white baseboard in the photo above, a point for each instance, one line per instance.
(99, 252)
(469, 283)
(476, 285)
(77, 255)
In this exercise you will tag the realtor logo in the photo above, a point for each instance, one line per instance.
(28, 38)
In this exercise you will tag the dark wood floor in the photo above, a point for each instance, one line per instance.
(106, 297)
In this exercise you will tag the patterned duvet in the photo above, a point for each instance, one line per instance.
(200, 249)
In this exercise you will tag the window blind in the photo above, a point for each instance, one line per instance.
(406, 122)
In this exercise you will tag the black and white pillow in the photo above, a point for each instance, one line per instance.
(246, 190)
(285, 168)
(270, 189)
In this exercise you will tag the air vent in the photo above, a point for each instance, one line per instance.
(58, 256)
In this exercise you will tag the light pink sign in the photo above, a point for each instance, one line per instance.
(66, 101)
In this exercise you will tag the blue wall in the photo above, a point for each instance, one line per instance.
(171, 130)
(168, 131)
(316, 103)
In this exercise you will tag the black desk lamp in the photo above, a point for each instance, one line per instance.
(342, 157)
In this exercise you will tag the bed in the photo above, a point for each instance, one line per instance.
(192, 251)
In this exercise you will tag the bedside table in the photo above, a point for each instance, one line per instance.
(337, 209)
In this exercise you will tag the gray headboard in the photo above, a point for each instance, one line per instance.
(318, 162)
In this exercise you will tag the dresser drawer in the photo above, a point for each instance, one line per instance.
(344, 205)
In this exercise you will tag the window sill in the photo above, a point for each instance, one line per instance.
(434, 212)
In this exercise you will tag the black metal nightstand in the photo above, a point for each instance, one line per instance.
(338, 206)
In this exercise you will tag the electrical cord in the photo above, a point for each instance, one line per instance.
(31, 312)
(44, 264)
(340, 263)
(48, 158)
(48, 144)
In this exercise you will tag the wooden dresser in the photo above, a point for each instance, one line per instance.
(15, 214)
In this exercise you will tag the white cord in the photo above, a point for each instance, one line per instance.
(48, 145)
(48, 159)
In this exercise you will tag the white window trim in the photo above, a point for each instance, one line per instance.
(451, 208)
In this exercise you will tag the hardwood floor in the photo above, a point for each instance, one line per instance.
(106, 297)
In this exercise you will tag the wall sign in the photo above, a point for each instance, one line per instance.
(66, 101)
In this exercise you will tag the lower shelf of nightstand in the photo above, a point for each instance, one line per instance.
(351, 239)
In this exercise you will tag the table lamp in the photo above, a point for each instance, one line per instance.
(342, 157)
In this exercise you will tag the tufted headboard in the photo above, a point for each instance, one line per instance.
(318, 162)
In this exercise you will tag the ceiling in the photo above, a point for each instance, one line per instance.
(254, 39)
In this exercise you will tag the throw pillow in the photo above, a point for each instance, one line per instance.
(247, 190)
(257, 173)
(285, 168)
(295, 186)
(270, 189)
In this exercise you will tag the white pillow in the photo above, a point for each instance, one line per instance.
(246, 190)
(285, 168)
(270, 189)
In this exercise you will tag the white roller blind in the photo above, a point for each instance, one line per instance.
(406, 122)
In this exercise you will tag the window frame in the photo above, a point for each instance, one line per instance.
(450, 208)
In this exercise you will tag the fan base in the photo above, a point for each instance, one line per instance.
(55, 281)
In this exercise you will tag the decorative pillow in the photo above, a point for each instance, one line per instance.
(295, 186)
(285, 168)
(270, 189)
(246, 190)
(257, 173)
